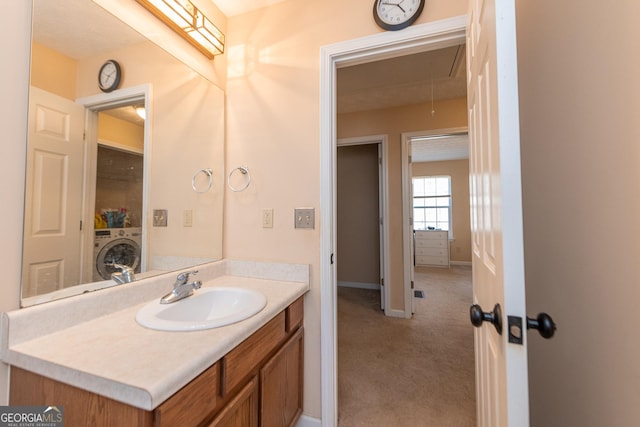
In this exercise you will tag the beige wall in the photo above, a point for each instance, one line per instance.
(187, 129)
(358, 227)
(112, 129)
(53, 72)
(15, 25)
(273, 127)
(393, 122)
(460, 247)
(578, 69)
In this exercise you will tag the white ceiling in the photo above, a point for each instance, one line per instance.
(405, 80)
(79, 28)
(410, 80)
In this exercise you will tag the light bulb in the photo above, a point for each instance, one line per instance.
(140, 111)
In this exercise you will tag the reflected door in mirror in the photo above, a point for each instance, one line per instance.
(53, 194)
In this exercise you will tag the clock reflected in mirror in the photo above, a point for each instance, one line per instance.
(109, 76)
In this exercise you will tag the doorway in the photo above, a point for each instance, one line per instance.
(363, 231)
(420, 38)
(448, 151)
(115, 102)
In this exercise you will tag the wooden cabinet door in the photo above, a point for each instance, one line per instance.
(242, 410)
(281, 385)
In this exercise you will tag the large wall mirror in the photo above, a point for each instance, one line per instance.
(106, 187)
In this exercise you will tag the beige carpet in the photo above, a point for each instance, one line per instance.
(408, 372)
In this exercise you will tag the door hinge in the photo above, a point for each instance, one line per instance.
(331, 259)
(382, 281)
(412, 284)
(80, 225)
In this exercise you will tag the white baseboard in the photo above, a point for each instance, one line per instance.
(359, 285)
(395, 313)
(460, 263)
(305, 421)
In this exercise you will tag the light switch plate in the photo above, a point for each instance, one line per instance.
(305, 218)
(267, 218)
(160, 217)
(187, 218)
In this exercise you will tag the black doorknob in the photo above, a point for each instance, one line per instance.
(544, 324)
(494, 317)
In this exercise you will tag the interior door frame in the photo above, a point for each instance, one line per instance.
(94, 104)
(407, 211)
(383, 191)
(418, 38)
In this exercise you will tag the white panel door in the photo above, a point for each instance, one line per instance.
(496, 210)
(53, 202)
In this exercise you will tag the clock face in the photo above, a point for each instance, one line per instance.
(396, 14)
(109, 76)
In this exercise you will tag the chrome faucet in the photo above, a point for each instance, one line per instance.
(181, 288)
(126, 274)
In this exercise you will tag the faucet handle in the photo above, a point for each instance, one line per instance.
(184, 276)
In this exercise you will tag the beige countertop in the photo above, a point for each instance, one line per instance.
(112, 355)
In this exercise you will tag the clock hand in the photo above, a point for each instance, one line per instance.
(394, 4)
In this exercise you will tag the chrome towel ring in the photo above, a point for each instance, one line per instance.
(209, 173)
(244, 171)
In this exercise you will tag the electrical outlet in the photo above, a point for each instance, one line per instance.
(160, 217)
(187, 218)
(267, 218)
(305, 218)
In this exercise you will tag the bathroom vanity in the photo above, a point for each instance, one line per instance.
(108, 370)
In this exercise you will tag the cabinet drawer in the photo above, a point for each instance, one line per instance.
(437, 252)
(432, 235)
(243, 359)
(295, 314)
(431, 260)
(192, 403)
(431, 243)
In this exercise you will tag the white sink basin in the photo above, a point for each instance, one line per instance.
(207, 308)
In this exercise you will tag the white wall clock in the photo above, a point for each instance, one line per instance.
(395, 15)
(109, 76)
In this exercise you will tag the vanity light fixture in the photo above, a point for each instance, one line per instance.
(189, 22)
